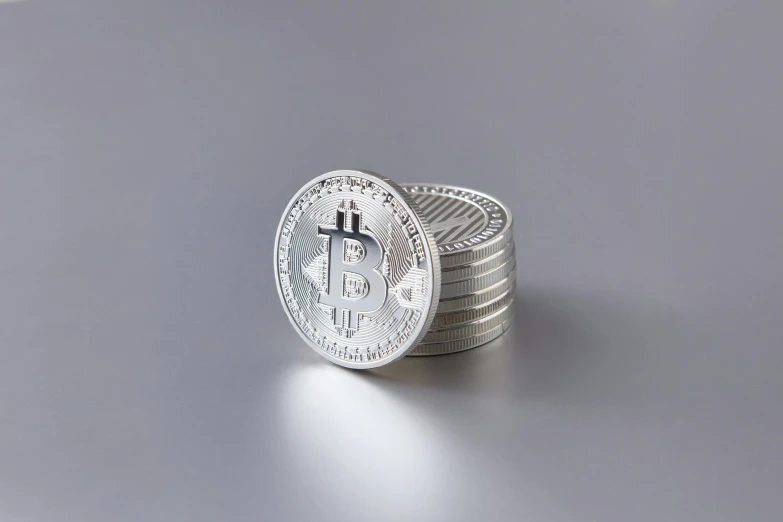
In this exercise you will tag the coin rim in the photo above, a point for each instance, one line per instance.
(433, 264)
(461, 345)
(480, 250)
(478, 298)
(479, 268)
(475, 313)
(480, 282)
(471, 329)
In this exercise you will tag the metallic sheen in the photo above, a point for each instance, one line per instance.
(460, 345)
(472, 329)
(473, 314)
(460, 273)
(478, 298)
(467, 225)
(355, 268)
(478, 283)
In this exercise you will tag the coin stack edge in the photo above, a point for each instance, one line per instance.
(474, 235)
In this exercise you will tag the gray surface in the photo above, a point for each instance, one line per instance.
(148, 371)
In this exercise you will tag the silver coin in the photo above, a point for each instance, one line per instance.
(479, 298)
(356, 268)
(471, 329)
(467, 225)
(461, 344)
(478, 283)
(473, 314)
(460, 273)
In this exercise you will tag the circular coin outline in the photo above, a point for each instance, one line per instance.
(483, 244)
(432, 259)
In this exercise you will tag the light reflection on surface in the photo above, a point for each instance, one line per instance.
(375, 437)
(482, 371)
(358, 443)
(426, 438)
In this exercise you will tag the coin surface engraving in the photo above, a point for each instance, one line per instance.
(356, 268)
(354, 283)
(467, 225)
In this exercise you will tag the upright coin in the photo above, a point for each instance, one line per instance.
(468, 226)
(356, 268)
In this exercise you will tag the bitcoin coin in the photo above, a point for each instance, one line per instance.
(460, 345)
(356, 268)
(468, 226)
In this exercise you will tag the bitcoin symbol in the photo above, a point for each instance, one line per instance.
(354, 284)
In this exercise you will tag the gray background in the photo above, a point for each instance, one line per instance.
(148, 372)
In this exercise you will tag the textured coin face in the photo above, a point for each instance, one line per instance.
(356, 268)
(467, 225)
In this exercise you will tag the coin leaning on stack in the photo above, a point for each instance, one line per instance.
(369, 271)
(474, 236)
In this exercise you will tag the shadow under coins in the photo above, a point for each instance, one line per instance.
(472, 371)
(551, 389)
(562, 343)
(540, 335)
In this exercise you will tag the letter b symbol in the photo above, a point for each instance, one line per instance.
(354, 284)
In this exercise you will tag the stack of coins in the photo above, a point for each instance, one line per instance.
(369, 271)
(474, 237)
